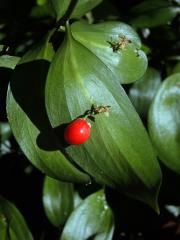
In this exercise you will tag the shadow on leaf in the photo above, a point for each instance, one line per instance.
(28, 89)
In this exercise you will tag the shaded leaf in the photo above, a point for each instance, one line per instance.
(1, 47)
(93, 217)
(42, 10)
(7, 61)
(128, 63)
(176, 68)
(58, 200)
(81, 7)
(153, 13)
(118, 153)
(3, 228)
(164, 122)
(143, 91)
(16, 224)
(28, 118)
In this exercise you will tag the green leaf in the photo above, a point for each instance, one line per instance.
(7, 61)
(1, 47)
(58, 200)
(143, 91)
(92, 218)
(127, 64)
(118, 153)
(164, 122)
(28, 118)
(42, 9)
(3, 227)
(176, 68)
(153, 13)
(41, 2)
(81, 7)
(5, 131)
(15, 221)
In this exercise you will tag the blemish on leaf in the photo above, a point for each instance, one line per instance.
(120, 44)
(137, 52)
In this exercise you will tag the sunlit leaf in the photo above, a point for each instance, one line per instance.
(92, 218)
(18, 229)
(164, 122)
(142, 91)
(128, 63)
(58, 200)
(118, 152)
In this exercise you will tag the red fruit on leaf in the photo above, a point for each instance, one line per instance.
(77, 132)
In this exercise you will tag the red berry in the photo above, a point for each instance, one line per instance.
(77, 132)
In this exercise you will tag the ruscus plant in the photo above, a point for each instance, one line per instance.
(89, 119)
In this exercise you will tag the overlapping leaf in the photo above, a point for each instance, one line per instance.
(92, 218)
(12, 222)
(143, 91)
(118, 152)
(153, 13)
(28, 118)
(128, 63)
(164, 122)
(80, 8)
(58, 200)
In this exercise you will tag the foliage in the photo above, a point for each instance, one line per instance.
(116, 65)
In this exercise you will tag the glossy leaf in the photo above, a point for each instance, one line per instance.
(7, 61)
(128, 63)
(58, 200)
(153, 13)
(5, 131)
(81, 7)
(118, 152)
(28, 118)
(164, 122)
(92, 218)
(176, 68)
(143, 91)
(18, 229)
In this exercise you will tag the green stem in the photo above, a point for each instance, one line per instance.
(67, 14)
